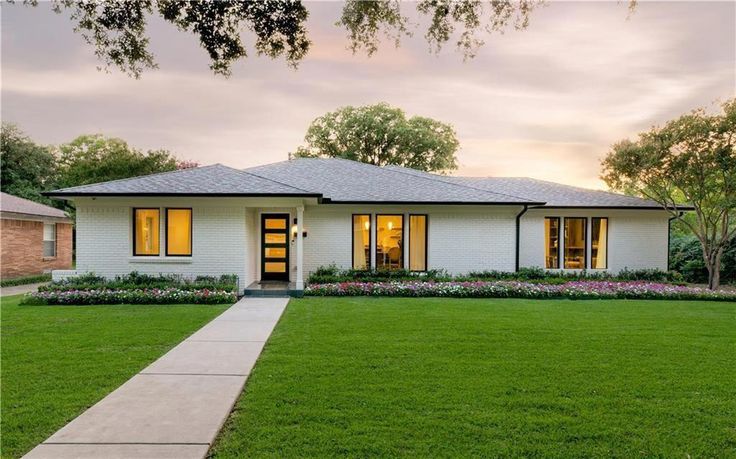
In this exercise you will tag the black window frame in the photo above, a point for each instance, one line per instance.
(191, 230)
(135, 238)
(591, 241)
(559, 245)
(426, 244)
(585, 243)
(403, 222)
(369, 262)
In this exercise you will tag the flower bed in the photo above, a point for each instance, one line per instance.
(513, 289)
(131, 296)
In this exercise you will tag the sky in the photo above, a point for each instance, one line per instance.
(546, 102)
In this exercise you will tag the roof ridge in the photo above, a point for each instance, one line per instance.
(142, 176)
(272, 180)
(438, 178)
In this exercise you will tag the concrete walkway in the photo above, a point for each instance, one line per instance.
(19, 289)
(175, 407)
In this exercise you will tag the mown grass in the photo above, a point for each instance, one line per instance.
(59, 360)
(398, 377)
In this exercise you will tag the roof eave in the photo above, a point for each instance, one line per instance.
(678, 208)
(435, 203)
(56, 194)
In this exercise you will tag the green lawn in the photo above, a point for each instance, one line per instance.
(59, 360)
(368, 377)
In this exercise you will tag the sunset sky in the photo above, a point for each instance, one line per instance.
(546, 102)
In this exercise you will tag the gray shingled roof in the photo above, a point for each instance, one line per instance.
(344, 181)
(553, 194)
(341, 180)
(215, 180)
(16, 205)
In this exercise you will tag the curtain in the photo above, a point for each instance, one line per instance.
(602, 259)
(360, 242)
(417, 242)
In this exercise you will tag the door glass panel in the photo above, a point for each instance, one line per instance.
(275, 252)
(275, 223)
(389, 242)
(275, 238)
(274, 267)
(575, 243)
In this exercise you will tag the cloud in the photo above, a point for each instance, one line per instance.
(546, 102)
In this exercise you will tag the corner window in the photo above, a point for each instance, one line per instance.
(575, 243)
(179, 232)
(361, 241)
(49, 240)
(552, 242)
(599, 243)
(417, 242)
(146, 232)
(389, 241)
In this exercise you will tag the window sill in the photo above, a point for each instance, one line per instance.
(48, 258)
(169, 260)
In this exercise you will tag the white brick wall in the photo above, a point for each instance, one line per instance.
(104, 239)
(226, 236)
(461, 238)
(636, 238)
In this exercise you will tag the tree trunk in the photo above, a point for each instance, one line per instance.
(713, 263)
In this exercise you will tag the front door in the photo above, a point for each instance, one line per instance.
(275, 247)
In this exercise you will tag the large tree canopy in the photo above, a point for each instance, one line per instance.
(693, 160)
(95, 158)
(26, 168)
(382, 135)
(117, 28)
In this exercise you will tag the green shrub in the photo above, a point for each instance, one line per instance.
(136, 281)
(25, 280)
(331, 274)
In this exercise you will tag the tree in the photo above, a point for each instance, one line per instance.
(26, 168)
(117, 29)
(382, 135)
(691, 159)
(95, 158)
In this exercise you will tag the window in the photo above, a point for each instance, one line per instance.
(179, 232)
(146, 231)
(49, 240)
(575, 243)
(389, 241)
(361, 241)
(599, 243)
(417, 242)
(552, 242)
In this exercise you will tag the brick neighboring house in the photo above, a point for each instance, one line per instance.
(34, 238)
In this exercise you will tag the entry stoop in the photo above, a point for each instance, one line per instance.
(272, 289)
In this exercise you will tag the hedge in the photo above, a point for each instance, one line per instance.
(332, 274)
(25, 280)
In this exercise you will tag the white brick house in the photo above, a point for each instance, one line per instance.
(284, 220)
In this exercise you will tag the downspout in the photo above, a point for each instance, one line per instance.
(669, 235)
(518, 226)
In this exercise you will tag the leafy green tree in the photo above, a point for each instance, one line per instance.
(117, 29)
(382, 135)
(95, 158)
(691, 159)
(26, 168)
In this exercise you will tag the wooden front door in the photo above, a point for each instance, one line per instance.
(275, 247)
